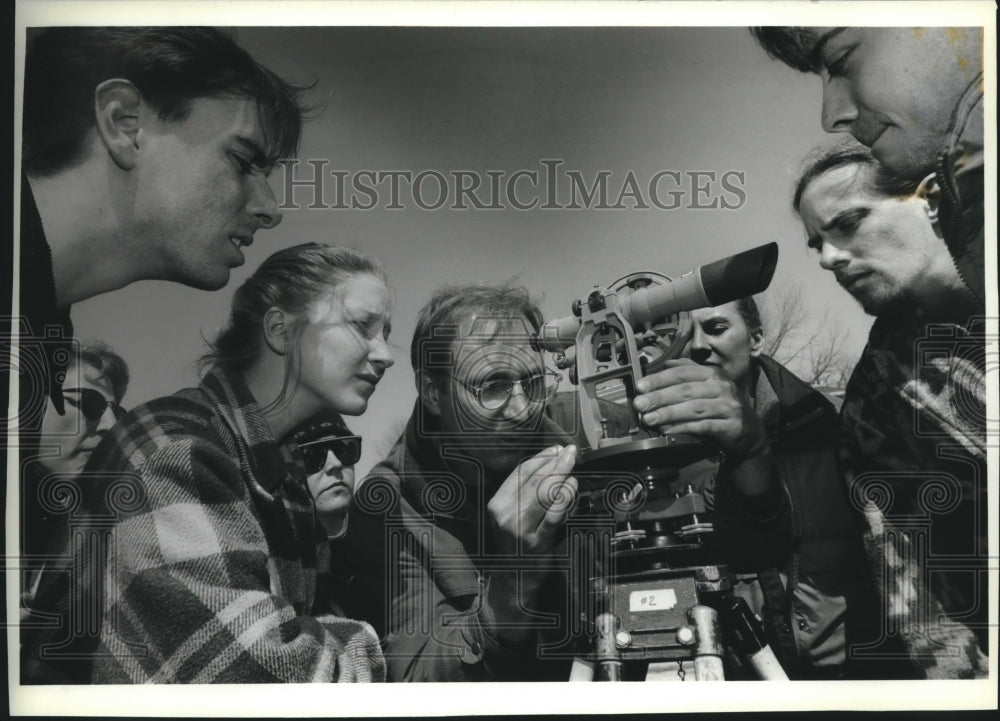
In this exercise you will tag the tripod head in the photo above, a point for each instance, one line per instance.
(618, 334)
(614, 337)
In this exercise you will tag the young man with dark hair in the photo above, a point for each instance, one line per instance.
(145, 155)
(895, 89)
(915, 97)
(912, 428)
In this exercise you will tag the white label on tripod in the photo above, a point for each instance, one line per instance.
(652, 599)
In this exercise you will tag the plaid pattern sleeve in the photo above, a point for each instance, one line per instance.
(212, 576)
(912, 447)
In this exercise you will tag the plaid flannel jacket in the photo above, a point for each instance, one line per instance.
(913, 448)
(196, 559)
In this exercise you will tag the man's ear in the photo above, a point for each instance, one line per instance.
(929, 195)
(276, 330)
(430, 394)
(117, 106)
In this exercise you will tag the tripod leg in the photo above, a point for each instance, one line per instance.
(582, 670)
(767, 666)
(665, 671)
(752, 640)
(609, 663)
(708, 652)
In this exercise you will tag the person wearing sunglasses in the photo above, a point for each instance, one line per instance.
(93, 390)
(95, 383)
(329, 452)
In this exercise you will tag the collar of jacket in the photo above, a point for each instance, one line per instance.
(966, 128)
(796, 404)
(419, 461)
(954, 191)
(422, 451)
(964, 152)
(423, 431)
(264, 462)
(413, 462)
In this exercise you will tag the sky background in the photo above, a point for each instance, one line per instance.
(617, 99)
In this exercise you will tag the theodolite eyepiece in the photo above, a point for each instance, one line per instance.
(711, 284)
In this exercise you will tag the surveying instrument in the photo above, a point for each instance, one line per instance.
(660, 606)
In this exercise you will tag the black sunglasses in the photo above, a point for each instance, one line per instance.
(92, 404)
(347, 449)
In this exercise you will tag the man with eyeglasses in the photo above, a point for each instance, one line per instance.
(93, 389)
(458, 538)
(445, 530)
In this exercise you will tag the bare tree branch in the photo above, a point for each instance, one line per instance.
(817, 351)
(784, 314)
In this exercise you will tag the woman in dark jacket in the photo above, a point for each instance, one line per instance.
(821, 601)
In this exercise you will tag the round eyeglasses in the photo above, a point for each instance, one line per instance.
(494, 393)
